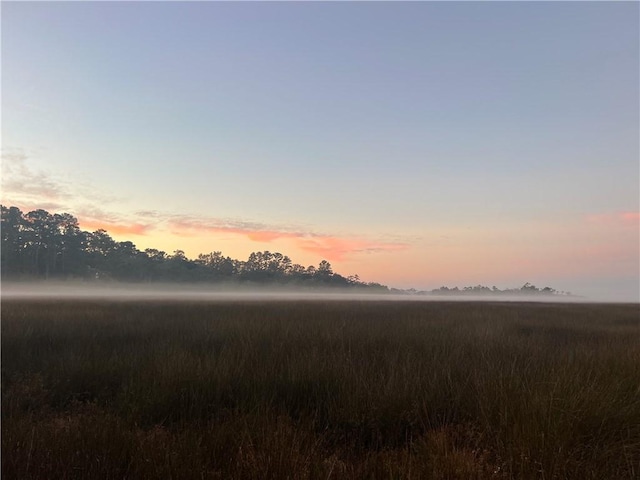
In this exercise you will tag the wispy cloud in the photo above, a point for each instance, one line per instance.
(628, 218)
(337, 248)
(259, 232)
(30, 188)
(96, 219)
(20, 181)
(330, 247)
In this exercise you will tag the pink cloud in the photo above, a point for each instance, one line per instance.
(255, 232)
(115, 228)
(330, 247)
(336, 248)
(613, 218)
(26, 207)
(97, 219)
(630, 216)
(263, 235)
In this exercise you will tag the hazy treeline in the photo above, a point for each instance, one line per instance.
(526, 289)
(41, 245)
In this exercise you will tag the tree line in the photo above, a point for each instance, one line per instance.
(41, 245)
(526, 289)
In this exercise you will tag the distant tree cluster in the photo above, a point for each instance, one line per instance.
(41, 245)
(526, 289)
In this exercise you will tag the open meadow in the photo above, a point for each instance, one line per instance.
(319, 390)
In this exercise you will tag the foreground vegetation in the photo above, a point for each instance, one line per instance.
(342, 390)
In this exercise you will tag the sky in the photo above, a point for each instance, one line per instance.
(416, 144)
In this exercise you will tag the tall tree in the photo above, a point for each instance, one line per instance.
(71, 245)
(41, 235)
(12, 229)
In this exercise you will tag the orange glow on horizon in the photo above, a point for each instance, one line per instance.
(502, 255)
(506, 254)
(329, 247)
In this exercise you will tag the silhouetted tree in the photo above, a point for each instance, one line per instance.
(324, 268)
(12, 253)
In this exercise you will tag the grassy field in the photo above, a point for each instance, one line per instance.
(320, 390)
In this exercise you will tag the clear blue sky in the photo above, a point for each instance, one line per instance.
(417, 143)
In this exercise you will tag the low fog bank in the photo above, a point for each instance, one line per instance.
(198, 292)
(169, 291)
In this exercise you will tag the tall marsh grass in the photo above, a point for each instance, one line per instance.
(319, 390)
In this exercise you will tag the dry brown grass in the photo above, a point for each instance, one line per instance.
(318, 390)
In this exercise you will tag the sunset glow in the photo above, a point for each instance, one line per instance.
(417, 144)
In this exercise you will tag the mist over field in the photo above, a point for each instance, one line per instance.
(122, 291)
